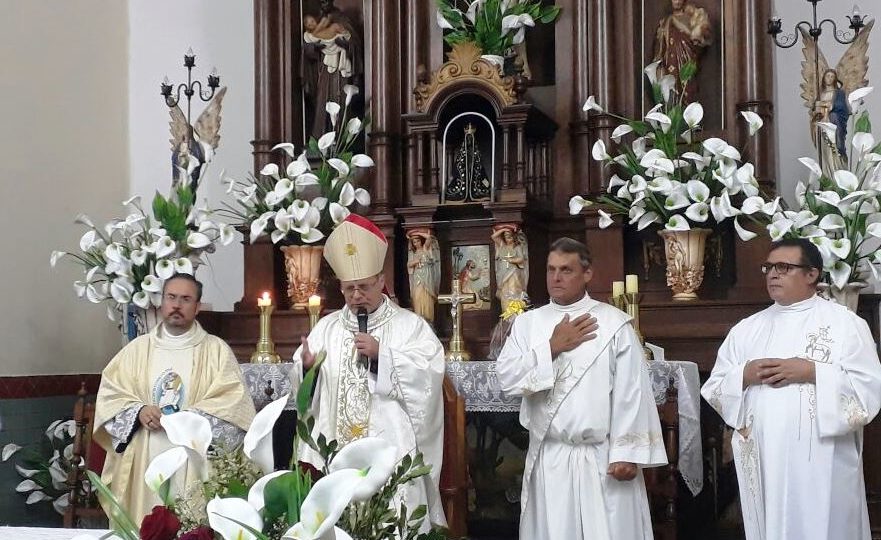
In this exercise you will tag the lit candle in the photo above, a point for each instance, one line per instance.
(264, 300)
(617, 288)
(314, 300)
(632, 283)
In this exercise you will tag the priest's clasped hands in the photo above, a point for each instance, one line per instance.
(778, 372)
(569, 334)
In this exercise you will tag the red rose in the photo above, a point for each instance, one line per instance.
(202, 533)
(160, 524)
(309, 468)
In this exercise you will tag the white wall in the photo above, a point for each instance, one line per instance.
(221, 34)
(63, 150)
(791, 115)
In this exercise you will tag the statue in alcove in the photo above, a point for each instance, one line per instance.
(681, 37)
(332, 59)
(469, 181)
(512, 263)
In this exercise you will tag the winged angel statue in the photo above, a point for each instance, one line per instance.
(829, 103)
(193, 146)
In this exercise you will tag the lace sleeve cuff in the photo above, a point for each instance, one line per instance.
(123, 426)
(223, 434)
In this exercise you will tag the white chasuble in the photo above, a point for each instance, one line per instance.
(798, 448)
(589, 407)
(402, 403)
(195, 371)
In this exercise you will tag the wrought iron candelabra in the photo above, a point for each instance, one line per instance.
(191, 87)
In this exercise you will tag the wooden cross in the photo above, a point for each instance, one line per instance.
(457, 299)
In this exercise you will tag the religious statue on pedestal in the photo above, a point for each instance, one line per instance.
(512, 263)
(331, 60)
(423, 266)
(469, 180)
(680, 38)
(830, 105)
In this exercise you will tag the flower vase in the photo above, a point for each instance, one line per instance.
(849, 296)
(303, 267)
(685, 261)
(138, 321)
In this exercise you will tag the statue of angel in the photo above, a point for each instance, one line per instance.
(193, 146)
(830, 105)
(423, 266)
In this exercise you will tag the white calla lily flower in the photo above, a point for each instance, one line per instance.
(362, 161)
(698, 212)
(333, 109)
(188, 429)
(635, 213)
(326, 141)
(577, 204)
(37, 496)
(286, 146)
(599, 152)
(362, 197)
(141, 299)
(258, 440)
(353, 126)
(744, 234)
(222, 512)
(697, 191)
(164, 269)
(675, 201)
(255, 494)
(667, 84)
(347, 195)
(325, 504)
(120, 292)
(227, 234)
(197, 240)
(351, 91)
(832, 222)
(840, 247)
(26, 486)
(677, 223)
(9, 450)
(857, 96)
(863, 143)
(341, 166)
(605, 219)
(840, 274)
(164, 247)
(846, 180)
(753, 120)
(620, 131)
(693, 114)
(183, 265)
(813, 166)
(779, 228)
(442, 22)
(338, 213)
(270, 169)
(591, 105)
(659, 119)
(651, 71)
(55, 256)
(647, 219)
(375, 457)
(163, 467)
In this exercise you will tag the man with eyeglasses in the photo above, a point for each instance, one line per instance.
(177, 366)
(384, 369)
(797, 382)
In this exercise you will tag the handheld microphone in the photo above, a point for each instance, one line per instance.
(362, 327)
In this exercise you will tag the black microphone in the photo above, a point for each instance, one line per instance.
(362, 327)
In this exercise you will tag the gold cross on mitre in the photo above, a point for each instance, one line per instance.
(457, 299)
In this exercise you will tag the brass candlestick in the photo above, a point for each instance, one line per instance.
(314, 312)
(617, 301)
(265, 353)
(631, 302)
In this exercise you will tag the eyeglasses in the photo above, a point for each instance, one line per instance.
(782, 268)
(171, 298)
(363, 288)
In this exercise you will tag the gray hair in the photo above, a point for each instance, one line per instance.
(569, 245)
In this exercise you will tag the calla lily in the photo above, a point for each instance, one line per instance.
(651, 71)
(222, 512)
(855, 97)
(338, 213)
(591, 105)
(697, 190)
(273, 198)
(258, 439)
(37, 496)
(79, 288)
(637, 184)
(518, 22)
(255, 494)
(333, 109)
(341, 166)
(362, 160)
(698, 212)
(660, 119)
(197, 240)
(814, 167)
(721, 207)
(53, 259)
(227, 234)
(599, 151)
(753, 120)
(371, 454)
(667, 83)
(863, 142)
(647, 219)
(121, 291)
(661, 184)
(83, 219)
(26, 486)
(164, 247)
(693, 114)
(347, 195)
(248, 195)
(831, 198)
(675, 201)
(258, 226)
(61, 503)
(164, 269)
(270, 169)
(494, 60)
(677, 223)
(188, 429)
(88, 240)
(286, 146)
(183, 265)
(605, 219)
(577, 204)
(26, 473)
(362, 197)
(832, 222)
(138, 257)
(840, 274)
(141, 299)
(324, 504)
(779, 228)
(151, 283)
(306, 179)
(874, 229)
(353, 126)
(840, 247)
(326, 141)
(351, 91)
(744, 234)
(620, 131)
(442, 22)
(846, 180)
(635, 213)
(163, 467)
(9, 450)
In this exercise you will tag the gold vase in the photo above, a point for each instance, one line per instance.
(685, 261)
(303, 267)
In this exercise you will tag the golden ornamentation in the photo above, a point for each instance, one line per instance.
(457, 299)
(351, 250)
(465, 64)
(265, 353)
(685, 261)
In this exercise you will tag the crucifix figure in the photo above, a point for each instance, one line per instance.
(457, 299)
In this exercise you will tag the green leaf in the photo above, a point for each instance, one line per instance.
(282, 497)
(688, 71)
(863, 124)
(419, 513)
(549, 14)
(304, 394)
(125, 525)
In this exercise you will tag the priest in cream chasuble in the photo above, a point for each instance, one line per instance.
(177, 366)
(797, 382)
(385, 382)
(589, 408)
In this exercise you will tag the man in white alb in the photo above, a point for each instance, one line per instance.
(396, 393)
(588, 406)
(177, 366)
(797, 382)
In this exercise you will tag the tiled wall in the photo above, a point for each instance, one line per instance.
(24, 421)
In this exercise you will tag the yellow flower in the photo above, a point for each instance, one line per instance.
(515, 307)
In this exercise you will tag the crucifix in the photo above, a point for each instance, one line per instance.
(457, 299)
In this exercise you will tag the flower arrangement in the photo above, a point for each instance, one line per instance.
(841, 215)
(302, 205)
(668, 176)
(45, 468)
(127, 260)
(493, 25)
(350, 497)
